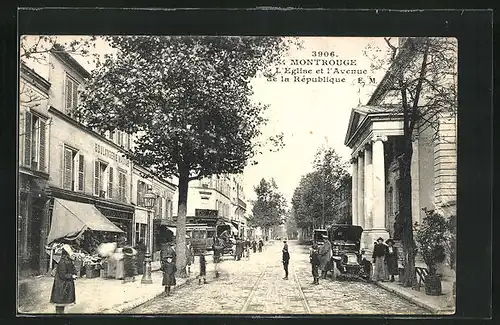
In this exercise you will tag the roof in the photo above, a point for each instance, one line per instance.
(362, 113)
(59, 51)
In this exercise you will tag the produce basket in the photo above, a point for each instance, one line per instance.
(92, 271)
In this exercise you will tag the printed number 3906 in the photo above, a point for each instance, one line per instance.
(323, 53)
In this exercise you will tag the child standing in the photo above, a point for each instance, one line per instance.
(203, 268)
(169, 269)
(315, 263)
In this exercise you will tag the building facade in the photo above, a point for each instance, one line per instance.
(375, 135)
(217, 198)
(61, 158)
(34, 123)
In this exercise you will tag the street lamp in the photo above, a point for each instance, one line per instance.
(149, 203)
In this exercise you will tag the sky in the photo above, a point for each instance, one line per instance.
(310, 115)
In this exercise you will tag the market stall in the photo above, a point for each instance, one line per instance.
(83, 227)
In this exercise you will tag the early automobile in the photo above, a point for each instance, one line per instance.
(347, 257)
(318, 236)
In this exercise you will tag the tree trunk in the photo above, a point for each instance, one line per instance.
(406, 220)
(181, 224)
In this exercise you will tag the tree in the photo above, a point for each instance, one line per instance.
(188, 102)
(315, 197)
(421, 85)
(330, 170)
(269, 208)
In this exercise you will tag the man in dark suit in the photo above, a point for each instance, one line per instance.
(286, 260)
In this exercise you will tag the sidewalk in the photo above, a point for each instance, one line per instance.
(97, 295)
(443, 304)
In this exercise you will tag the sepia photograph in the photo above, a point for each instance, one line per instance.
(228, 175)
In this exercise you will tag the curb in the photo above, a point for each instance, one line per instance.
(123, 308)
(414, 300)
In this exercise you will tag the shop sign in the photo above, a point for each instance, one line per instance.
(103, 151)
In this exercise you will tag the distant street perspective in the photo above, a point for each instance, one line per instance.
(256, 286)
(237, 175)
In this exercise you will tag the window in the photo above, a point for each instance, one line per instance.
(100, 178)
(74, 170)
(141, 190)
(122, 184)
(110, 182)
(33, 131)
(81, 176)
(158, 206)
(71, 95)
(140, 232)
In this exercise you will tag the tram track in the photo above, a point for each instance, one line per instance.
(259, 283)
(302, 295)
(253, 291)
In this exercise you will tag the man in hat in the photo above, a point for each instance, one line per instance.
(379, 252)
(286, 260)
(325, 256)
(314, 259)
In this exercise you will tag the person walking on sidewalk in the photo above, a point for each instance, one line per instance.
(391, 259)
(141, 252)
(379, 252)
(169, 270)
(286, 260)
(261, 243)
(129, 264)
(189, 257)
(203, 268)
(63, 289)
(314, 259)
(254, 246)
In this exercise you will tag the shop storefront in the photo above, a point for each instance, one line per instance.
(32, 225)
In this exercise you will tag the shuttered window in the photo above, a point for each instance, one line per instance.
(71, 95)
(122, 183)
(97, 177)
(110, 182)
(81, 176)
(128, 141)
(68, 170)
(27, 140)
(41, 149)
(141, 190)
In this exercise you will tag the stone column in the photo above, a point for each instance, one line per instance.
(378, 182)
(361, 190)
(354, 193)
(368, 188)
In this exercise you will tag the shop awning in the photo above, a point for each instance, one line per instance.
(70, 219)
(174, 231)
(234, 230)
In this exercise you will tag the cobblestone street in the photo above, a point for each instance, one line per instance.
(256, 286)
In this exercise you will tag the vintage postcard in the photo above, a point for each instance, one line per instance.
(237, 175)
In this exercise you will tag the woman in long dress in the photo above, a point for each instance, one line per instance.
(391, 259)
(379, 252)
(63, 289)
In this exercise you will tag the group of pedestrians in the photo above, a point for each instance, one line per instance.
(385, 260)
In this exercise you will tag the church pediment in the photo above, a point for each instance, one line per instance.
(358, 117)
